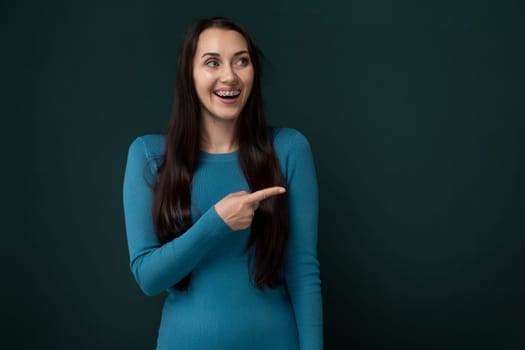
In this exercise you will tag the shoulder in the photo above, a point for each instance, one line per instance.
(149, 146)
(288, 140)
(146, 152)
(293, 151)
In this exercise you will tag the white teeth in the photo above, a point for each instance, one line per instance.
(228, 93)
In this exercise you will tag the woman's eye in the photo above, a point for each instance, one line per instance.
(243, 61)
(212, 64)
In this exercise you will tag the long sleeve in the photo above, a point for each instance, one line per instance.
(302, 267)
(157, 267)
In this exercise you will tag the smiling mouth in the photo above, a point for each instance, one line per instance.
(227, 94)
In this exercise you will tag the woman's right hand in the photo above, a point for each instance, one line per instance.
(238, 209)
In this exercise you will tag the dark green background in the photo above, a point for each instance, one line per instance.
(414, 110)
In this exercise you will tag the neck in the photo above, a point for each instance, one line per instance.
(218, 136)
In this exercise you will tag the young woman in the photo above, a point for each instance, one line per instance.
(222, 211)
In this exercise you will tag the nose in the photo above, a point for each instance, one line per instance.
(228, 75)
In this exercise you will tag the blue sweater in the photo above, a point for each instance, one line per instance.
(221, 309)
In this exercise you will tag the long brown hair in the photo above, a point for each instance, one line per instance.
(172, 191)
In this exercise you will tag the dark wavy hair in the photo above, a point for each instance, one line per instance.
(257, 158)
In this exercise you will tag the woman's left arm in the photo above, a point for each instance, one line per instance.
(302, 266)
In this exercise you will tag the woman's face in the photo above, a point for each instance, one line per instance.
(222, 73)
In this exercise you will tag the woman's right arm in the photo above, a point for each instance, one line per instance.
(157, 267)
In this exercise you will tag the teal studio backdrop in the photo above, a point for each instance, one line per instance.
(415, 113)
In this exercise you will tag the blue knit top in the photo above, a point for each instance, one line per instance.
(221, 308)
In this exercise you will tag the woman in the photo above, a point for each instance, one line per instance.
(222, 211)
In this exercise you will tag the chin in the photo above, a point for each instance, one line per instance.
(230, 117)
(220, 114)
(227, 116)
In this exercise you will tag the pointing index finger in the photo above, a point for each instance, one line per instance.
(265, 193)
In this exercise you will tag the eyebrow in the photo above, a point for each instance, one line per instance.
(215, 54)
